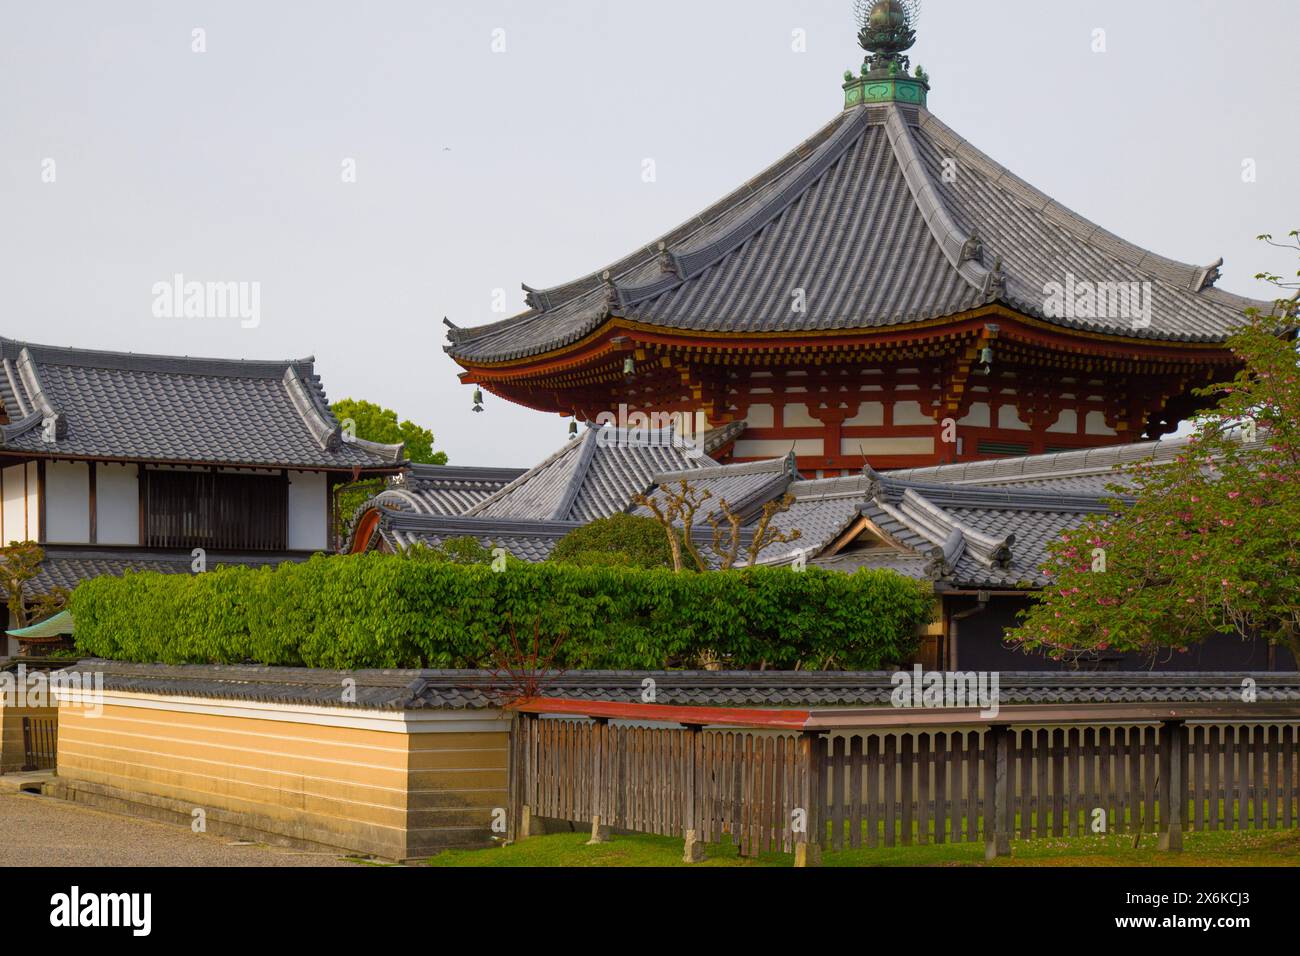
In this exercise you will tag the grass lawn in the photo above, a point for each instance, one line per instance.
(1264, 848)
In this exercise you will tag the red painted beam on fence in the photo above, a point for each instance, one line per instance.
(694, 716)
(886, 718)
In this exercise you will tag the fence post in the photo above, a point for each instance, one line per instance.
(524, 731)
(1173, 788)
(29, 752)
(694, 851)
(997, 823)
(808, 843)
(599, 818)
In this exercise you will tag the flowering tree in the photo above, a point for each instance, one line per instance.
(1209, 543)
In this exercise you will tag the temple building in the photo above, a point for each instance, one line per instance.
(884, 294)
(115, 462)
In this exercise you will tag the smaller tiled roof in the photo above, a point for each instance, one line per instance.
(56, 625)
(745, 486)
(400, 690)
(593, 476)
(981, 525)
(79, 403)
(443, 489)
(526, 512)
(1087, 471)
(66, 567)
(967, 536)
(531, 541)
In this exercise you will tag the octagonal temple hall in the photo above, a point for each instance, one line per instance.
(884, 293)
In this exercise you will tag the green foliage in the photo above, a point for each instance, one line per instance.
(451, 551)
(19, 564)
(622, 540)
(390, 611)
(1211, 543)
(378, 424)
(375, 423)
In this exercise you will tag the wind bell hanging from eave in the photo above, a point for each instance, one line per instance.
(478, 399)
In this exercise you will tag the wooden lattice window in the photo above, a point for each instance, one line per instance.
(222, 512)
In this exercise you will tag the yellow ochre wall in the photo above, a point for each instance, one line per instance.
(385, 786)
(12, 753)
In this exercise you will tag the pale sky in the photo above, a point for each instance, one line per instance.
(479, 170)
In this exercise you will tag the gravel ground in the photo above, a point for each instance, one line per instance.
(42, 831)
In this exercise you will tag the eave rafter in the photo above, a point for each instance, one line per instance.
(676, 368)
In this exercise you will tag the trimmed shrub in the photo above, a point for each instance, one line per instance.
(621, 540)
(385, 611)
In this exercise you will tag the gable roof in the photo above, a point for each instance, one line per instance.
(594, 476)
(443, 489)
(745, 486)
(958, 535)
(79, 403)
(861, 218)
(527, 540)
(1087, 471)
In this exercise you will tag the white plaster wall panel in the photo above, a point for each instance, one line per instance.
(979, 416)
(886, 446)
(117, 504)
(1095, 424)
(909, 413)
(869, 414)
(308, 512)
(777, 448)
(67, 502)
(760, 416)
(1067, 424)
(1009, 418)
(796, 416)
(13, 517)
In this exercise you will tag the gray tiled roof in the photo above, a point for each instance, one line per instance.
(129, 407)
(956, 534)
(1087, 471)
(970, 536)
(480, 690)
(593, 476)
(861, 218)
(984, 525)
(66, 567)
(745, 486)
(442, 489)
(531, 541)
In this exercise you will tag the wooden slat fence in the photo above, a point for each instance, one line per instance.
(742, 787)
(772, 790)
(932, 787)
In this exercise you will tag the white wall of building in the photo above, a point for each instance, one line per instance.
(308, 511)
(20, 513)
(778, 448)
(117, 504)
(67, 502)
(1009, 418)
(909, 413)
(1095, 424)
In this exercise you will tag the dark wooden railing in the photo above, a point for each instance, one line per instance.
(40, 743)
(797, 781)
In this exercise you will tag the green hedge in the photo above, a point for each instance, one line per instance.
(385, 611)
